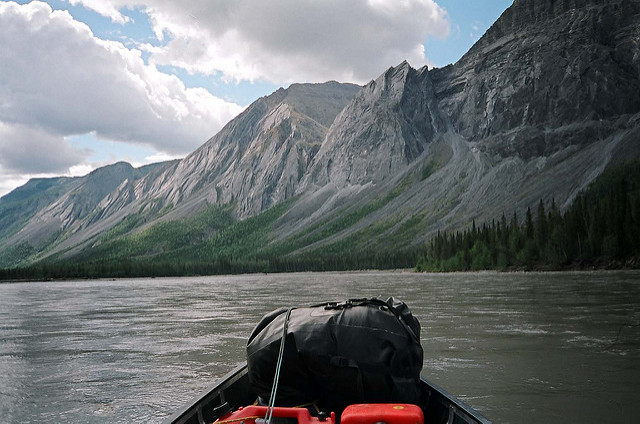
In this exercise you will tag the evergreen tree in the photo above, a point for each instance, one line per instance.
(541, 228)
(528, 225)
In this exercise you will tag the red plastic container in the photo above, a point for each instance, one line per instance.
(389, 413)
(249, 414)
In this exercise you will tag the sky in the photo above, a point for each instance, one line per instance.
(86, 83)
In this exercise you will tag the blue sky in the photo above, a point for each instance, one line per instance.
(84, 83)
(469, 21)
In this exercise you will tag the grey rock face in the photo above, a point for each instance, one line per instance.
(259, 158)
(540, 69)
(387, 126)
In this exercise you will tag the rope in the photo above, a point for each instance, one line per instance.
(274, 388)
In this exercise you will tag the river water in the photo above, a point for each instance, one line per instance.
(521, 348)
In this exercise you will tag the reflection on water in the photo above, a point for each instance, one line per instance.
(541, 347)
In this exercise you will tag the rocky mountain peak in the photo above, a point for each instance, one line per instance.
(257, 159)
(523, 14)
(543, 65)
(392, 84)
(320, 102)
(388, 124)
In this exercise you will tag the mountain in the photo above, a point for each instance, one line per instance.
(537, 109)
(258, 159)
(386, 127)
(254, 162)
(546, 75)
(43, 211)
(24, 202)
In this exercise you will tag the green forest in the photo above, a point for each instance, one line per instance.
(600, 229)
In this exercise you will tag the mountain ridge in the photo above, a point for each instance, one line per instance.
(536, 109)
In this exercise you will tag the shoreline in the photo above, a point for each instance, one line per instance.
(632, 263)
(549, 270)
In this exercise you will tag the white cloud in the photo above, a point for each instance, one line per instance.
(289, 40)
(80, 170)
(31, 151)
(160, 157)
(56, 77)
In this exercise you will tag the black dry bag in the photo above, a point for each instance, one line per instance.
(337, 354)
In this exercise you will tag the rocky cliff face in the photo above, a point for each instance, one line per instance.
(388, 125)
(259, 158)
(543, 67)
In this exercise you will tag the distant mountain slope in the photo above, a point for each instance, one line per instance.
(22, 203)
(48, 210)
(258, 159)
(537, 109)
(254, 162)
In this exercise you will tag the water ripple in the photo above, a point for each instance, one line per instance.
(134, 350)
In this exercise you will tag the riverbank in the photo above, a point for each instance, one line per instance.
(248, 274)
(601, 264)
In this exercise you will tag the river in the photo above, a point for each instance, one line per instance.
(521, 348)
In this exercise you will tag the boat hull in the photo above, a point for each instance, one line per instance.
(439, 407)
